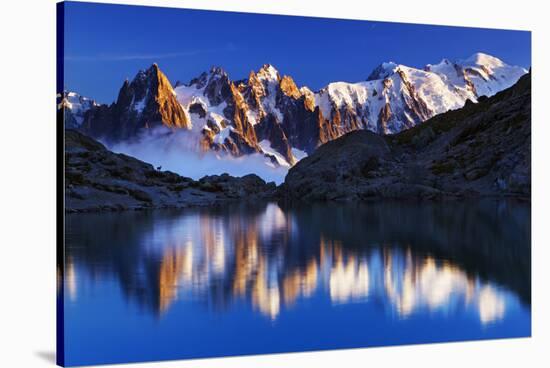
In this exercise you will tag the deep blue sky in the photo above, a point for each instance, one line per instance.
(105, 44)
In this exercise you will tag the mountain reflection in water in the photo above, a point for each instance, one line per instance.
(447, 260)
(272, 258)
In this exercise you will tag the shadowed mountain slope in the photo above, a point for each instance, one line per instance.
(483, 148)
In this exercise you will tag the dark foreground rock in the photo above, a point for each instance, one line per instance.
(98, 179)
(482, 149)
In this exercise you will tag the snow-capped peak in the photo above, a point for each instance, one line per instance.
(488, 74)
(443, 64)
(383, 70)
(77, 105)
(77, 102)
(268, 72)
(215, 73)
(486, 60)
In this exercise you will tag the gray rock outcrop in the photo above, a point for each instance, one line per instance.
(482, 149)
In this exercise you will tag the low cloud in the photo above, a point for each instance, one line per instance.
(179, 151)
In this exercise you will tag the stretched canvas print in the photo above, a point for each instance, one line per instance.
(236, 183)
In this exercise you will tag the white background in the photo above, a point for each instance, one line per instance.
(27, 180)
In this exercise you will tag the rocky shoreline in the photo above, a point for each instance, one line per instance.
(97, 179)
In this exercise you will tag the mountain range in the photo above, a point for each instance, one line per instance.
(268, 114)
(480, 150)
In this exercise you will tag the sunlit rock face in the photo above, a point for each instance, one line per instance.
(274, 259)
(148, 101)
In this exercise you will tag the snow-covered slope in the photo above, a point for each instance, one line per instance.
(76, 107)
(480, 74)
(200, 108)
(397, 97)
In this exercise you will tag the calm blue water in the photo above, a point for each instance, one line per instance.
(246, 279)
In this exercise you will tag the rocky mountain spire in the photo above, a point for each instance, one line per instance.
(147, 101)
